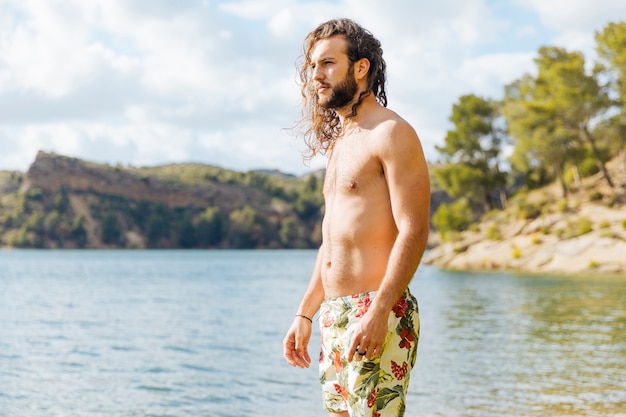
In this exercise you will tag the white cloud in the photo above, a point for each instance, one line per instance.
(254, 9)
(214, 81)
(578, 15)
(47, 53)
(488, 74)
(578, 20)
(282, 23)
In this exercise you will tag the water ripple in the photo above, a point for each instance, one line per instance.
(175, 333)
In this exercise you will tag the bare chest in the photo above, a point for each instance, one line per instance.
(353, 168)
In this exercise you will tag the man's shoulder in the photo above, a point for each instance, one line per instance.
(391, 124)
(394, 136)
(384, 118)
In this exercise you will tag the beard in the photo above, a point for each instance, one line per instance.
(342, 94)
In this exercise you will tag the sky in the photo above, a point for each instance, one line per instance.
(144, 83)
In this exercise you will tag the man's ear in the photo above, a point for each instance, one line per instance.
(361, 68)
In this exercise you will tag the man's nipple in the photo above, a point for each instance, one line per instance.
(353, 185)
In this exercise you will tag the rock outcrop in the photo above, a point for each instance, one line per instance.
(50, 172)
(535, 245)
(584, 234)
(64, 202)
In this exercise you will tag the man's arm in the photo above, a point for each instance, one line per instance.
(295, 344)
(407, 179)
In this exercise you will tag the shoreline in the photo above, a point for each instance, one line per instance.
(535, 245)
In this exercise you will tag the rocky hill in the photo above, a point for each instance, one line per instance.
(50, 172)
(67, 202)
(542, 232)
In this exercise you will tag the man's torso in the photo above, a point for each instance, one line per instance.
(358, 229)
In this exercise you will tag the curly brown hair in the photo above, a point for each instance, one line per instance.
(320, 126)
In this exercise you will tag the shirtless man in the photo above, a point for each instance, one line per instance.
(374, 232)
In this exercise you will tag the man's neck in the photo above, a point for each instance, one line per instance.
(347, 121)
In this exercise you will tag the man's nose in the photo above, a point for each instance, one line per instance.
(317, 73)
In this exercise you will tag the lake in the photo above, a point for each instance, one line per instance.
(199, 333)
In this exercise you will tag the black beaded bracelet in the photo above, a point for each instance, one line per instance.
(308, 318)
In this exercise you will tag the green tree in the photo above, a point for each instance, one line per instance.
(111, 229)
(309, 201)
(210, 227)
(157, 227)
(472, 152)
(246, 228)
(186, 233)
(35, 194)
(35, 223)
(289, 232)
(575, 97)
(78, 232)
(611, 49)
(538, 154)
(60, 200)
(140, 212)
(452, 217)
(549, 116)
(51, 224)
(255, 180)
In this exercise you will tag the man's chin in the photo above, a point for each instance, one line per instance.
(324, 103)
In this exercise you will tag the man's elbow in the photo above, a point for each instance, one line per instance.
(421, 236)
(416, 233)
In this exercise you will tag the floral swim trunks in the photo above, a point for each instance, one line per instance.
(367, 388)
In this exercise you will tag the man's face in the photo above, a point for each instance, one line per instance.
(342, 93)
(333, 73)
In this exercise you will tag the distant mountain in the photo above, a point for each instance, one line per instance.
(273, 173)
(64, 202)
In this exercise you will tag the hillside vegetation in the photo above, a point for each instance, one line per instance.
(540, 231)
(64, 202)
(537, 177)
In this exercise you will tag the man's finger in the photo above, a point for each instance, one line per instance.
(288, 351)
(372, 352)
(353, 347)
(305, 356)
(302, 353)
(294, 358)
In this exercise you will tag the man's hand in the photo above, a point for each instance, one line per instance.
(369, 337)
(295, 345)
